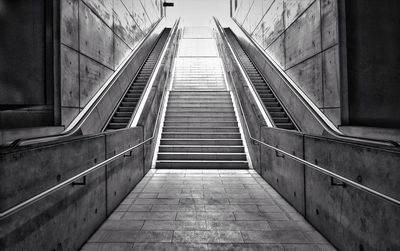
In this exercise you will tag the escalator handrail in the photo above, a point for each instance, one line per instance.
(138, 112)
(266, 82)
(127, 89)
(265, 114)
(74, 127)
(14, 209)
(322, 119)
(306, 163)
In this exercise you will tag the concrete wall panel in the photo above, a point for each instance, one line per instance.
(69, 23)
(92, 76)
(96, 38)
(68, 114)
(67, 218)
(293, 31)
(329, 22)
(350, 218)
(295, 8)
(124, 25)
(331, 77)
(124, 173)
(108, 32)
(103, 9)
(308, 75)
(285, 175)
(277, 50)
(258, 34)
(121, 50)
(303, 38)
(69, 77)
(273, 23)
(333, 114)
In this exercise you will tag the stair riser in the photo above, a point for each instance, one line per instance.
(180, 156)
(199, 129)
(201, 114)
(199, 136)
(230, 142)
(199, 119)
(201, 165)
(201, 124)
(202, 149)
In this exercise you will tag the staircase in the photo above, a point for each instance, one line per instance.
(273, 106)
(200, 127)
(127, 106)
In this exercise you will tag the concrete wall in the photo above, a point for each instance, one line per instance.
(95, 37)
(302, 37)
(349, 218)
(66, 219)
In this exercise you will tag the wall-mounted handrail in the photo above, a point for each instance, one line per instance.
(328, 126)
(304, 162)
(13, 210)
(74, 127)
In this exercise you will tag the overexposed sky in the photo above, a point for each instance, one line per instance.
(198, 12)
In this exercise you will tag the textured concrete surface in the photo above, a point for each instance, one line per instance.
(66, 219)
(351, 219)
(101, 33)
(302, 37)
(205, 210)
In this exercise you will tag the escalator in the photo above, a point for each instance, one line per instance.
(277, 112)
(126, 108)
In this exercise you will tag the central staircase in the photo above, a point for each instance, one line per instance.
(200, 127)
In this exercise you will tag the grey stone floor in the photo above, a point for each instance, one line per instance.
(205, 210)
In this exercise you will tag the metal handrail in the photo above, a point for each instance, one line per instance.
(322, 119)
(74, 127)
(306, 163)
(264, 112)
(13, 210)
(138, 112)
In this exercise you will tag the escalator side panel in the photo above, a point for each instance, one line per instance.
(127, 106)
(269, 99)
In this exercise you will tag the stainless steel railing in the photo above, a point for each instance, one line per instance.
(304, 162)
(13, 210)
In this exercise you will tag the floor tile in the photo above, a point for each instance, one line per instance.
(208, 236)
(175, 225)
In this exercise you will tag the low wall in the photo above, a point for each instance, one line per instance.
(351, 219)
(67, 218)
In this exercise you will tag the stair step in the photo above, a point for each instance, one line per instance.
(200, 135)
(200, 114)
(199, 109)
(202, 148)
(125, 109)
(190, 141)
(201, 123)
(199, 120)
(200, 156)
(200, 129)
(187, 164)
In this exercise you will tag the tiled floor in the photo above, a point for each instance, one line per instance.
(205, 210)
